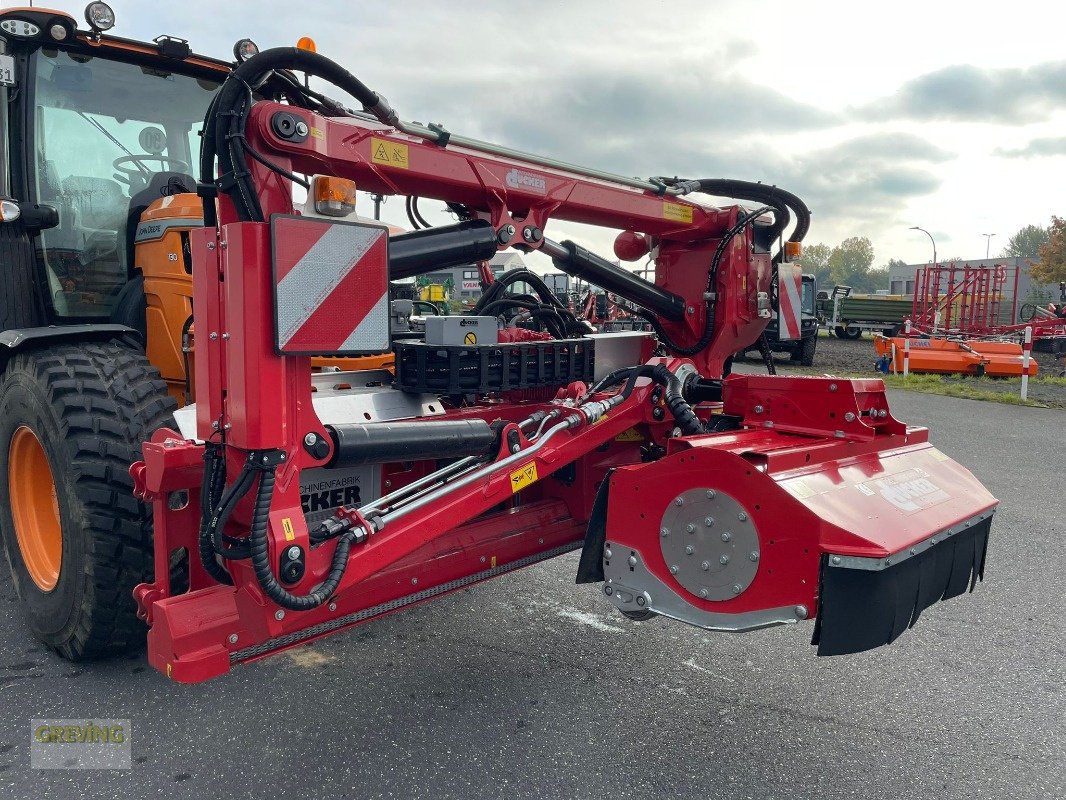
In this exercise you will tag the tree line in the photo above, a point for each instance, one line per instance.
(851, 262)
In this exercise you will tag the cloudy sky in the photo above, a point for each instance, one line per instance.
(947, 115)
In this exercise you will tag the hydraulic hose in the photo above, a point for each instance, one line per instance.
(224, 126)
(260, 553)
(210, 497)
(778, 199)
(682, 412)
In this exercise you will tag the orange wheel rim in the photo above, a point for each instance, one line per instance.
(35, 509)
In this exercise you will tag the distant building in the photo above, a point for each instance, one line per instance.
(901, 279)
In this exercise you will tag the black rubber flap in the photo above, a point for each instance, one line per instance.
(590, 567)
(862, 609)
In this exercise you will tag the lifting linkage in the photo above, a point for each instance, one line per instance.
(807, 468)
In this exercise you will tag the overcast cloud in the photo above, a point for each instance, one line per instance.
(941, 115)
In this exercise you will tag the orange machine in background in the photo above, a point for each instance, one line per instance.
(954, 356)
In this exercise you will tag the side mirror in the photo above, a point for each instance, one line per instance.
(36, 217)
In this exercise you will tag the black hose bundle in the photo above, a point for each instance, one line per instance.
(210, 499)
(260, 554)
(546, 308)
(676, 404)
(226, 117)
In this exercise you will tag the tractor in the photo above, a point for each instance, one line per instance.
(101, 139)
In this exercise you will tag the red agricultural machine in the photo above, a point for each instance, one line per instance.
(728, 502)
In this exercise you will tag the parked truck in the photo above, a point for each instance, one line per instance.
(799, 350)
(847, 315)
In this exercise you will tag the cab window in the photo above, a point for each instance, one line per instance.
(105, 132)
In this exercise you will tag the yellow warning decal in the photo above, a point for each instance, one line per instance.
(170, 670)
(318, 133)
(677, 212)
(470, 338)
(391, 154)
(493, 564)
(523, 477)
(286, 525)
(631, 435)
(939, 456)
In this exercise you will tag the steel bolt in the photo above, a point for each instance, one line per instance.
(679, 501)
(836, 559)
(723, 560)
(233, 638)
(758, 409)
(516, 447)
(279, 615)
(212, 336)
(225, 336)
(690, 528)
(332, 606)
(742, 517)
(708, 521)
(607, 590)
(607, 553)
(310, 439)
(753, 556)
(210, 245)
(913, 551)
(801, 612)
(832, 387)
(301, 128)
(704, 593)
(691, 309)
(727, 536)
(294, 552)
(632, 560)
(664, 532)
(711, 494)
(737, 588)
(641, 601)
(849, 417)
(673, 569)
(414, 581)
(706, 565)
(483, 559)
(689, 550)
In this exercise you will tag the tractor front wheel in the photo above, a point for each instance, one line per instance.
(72, 420)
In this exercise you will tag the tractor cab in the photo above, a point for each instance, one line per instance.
(97, 129)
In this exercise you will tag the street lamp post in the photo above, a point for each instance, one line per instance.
(988, 241)
(927, 233)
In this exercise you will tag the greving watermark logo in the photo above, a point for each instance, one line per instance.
(80, 744)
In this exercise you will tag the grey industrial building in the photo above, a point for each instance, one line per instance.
(901, 279)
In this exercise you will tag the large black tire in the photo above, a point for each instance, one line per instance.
(90, 406)
(847, 332)
(807, 348)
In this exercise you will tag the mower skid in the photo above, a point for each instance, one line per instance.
(732, 536)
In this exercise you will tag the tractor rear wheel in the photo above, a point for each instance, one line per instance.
(72, 420)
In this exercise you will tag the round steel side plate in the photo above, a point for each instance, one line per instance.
(710, 544)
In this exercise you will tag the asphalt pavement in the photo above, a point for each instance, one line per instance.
(530, 686)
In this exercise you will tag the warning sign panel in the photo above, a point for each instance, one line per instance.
(677, 212)
(523, 477)
(391, 154)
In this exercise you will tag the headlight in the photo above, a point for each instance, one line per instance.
(245, 49)
(100, 16)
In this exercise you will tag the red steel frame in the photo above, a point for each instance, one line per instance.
(804, 442)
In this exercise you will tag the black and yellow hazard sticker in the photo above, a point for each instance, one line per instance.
(470, 338)
(523, 477)
(391, 154)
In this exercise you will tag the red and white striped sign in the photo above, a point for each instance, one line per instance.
(331, 286)
(789, 301)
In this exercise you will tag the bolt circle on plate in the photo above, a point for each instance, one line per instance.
(717, 561)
